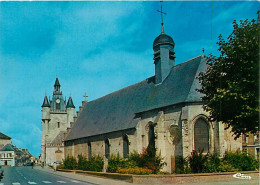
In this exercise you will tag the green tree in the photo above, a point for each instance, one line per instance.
(231, 82)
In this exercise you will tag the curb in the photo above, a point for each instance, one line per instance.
(144, 179)
(117, 176)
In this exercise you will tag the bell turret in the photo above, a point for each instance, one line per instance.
(164, 56)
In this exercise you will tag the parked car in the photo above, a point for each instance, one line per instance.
(30, 163)
(1, 172)
(57, 163)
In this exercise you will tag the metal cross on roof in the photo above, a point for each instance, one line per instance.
(161, 11)
(85, 96)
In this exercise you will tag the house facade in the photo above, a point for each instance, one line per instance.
(7, 155)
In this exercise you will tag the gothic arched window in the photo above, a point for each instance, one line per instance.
(125, 147)
(151, 140)
(201, 135)
(107, 148)
(89, 150)
(151, 136)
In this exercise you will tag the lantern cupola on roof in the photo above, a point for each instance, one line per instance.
(164, 55)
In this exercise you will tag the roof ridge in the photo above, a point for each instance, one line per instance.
(143, 80)
(173, 67)
(188, 60)
(4, 136)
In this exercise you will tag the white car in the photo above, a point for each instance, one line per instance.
(57, 163)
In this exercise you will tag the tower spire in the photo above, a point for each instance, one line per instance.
(161, 11)
(57, 85)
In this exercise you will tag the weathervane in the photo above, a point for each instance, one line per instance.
(161, 11)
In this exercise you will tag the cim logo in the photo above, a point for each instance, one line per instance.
(241, 176)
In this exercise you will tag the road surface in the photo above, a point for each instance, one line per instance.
(27, 175)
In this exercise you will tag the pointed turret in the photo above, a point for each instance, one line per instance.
(57, 84)
(46, 102)
(70, 103)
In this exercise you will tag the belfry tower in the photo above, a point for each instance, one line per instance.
(164, 55)
(57, 114)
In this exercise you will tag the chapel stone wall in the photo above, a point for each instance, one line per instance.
(230, 143)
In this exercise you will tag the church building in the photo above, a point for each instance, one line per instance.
(57, 114)
(164, 110)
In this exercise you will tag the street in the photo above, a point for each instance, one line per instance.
(27, 175)
(42, 176)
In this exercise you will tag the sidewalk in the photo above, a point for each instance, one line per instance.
(85, 178)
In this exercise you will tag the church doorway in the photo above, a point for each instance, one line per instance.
(5, 163)
(201, 135)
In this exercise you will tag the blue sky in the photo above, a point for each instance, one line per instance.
(94, 47)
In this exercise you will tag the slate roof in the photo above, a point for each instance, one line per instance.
(46, 102)
(58, 139)
(163, 39)
(7, 147)
(57, 83)
(3, 136)
(116, 111)
(70, 103)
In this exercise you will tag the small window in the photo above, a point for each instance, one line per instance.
(171, 55)
(107, 148)
(125, 147)
(58, 124)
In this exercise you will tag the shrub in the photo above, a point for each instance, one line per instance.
(197, 161)
(224, 166)
(181, 165)
(82, 162)
(240, 161)
(136, 170)
(163, 173)
(145, 160)
(70, 163)
(96, 163)
(151, 161)
(212, 163)
(115, 162)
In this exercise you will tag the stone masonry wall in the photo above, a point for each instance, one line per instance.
(182, 118)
